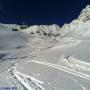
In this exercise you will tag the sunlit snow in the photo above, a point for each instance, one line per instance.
(46, 57)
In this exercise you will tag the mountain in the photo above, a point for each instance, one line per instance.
(46, 57)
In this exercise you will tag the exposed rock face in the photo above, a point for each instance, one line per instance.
(85, 14)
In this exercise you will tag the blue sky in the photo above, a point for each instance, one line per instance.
(40, 11)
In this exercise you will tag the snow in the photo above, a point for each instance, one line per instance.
(46, 57)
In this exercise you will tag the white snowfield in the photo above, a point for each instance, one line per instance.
(46, 57)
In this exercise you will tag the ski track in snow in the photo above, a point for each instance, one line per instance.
(83, 88)
(25, 83)
(81, 75)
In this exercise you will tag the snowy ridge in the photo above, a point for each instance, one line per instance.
(85, 14)
(10, 25)
(44, 31)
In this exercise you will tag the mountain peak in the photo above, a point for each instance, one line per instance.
(85, 14)
(88, 7)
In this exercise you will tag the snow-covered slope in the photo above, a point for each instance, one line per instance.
(46, 57)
